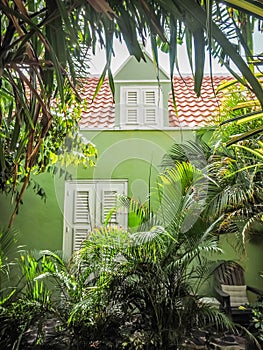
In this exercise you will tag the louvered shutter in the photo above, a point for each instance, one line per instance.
(82, 217)
(150, 100)
(132, 116)
(109, 203)
(108, 193)
(79, 215)
(150, 97)
(150, 116)
(132, 97)
(81, 207)
(132, 107)
(79, 235)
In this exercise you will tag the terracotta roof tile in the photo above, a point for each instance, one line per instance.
(192, 111)
(97, 113)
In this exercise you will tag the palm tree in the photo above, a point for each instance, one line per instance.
(233, 186)
(234, 164)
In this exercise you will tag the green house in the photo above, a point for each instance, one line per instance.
(132, 134)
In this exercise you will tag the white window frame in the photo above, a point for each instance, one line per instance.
(80, 219)
(140, 106)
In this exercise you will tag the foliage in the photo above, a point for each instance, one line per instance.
(50, 150)
(7, 243)
(235, 164)
(8, 251)
(28, 307)
(62, 146)
(122, 290)
(229, 154)
(257, 319)
(233, 183)
(36, 131)
(240, 114)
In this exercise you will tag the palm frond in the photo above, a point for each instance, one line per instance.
(191, 151)
(252, 7)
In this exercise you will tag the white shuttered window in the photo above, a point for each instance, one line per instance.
(89, 204)
(141, 107)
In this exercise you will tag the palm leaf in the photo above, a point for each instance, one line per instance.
(252, 7)
(197, 152)
(245, 135)
(199, 45)
(228, 49)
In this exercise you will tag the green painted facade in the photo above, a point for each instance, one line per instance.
(132, 155)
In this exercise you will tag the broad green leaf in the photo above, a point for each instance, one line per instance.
(2, 157)
(100, 82)
(173, 55)
(247, 104)
(239, 117)
(189, 47)
(15, 135)
(111, 82)
(155, 57)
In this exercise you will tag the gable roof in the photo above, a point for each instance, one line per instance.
(192, 111)
(131, 69)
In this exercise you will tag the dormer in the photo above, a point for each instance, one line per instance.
(141, 99)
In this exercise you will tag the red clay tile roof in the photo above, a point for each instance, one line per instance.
(191, 110)
(100, 112)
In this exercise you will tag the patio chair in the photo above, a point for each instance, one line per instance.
(231, 291)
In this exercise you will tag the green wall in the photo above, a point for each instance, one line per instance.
(132, 155)
(128, 155)
(39, 223)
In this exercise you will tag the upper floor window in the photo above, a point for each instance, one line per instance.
(141, 107)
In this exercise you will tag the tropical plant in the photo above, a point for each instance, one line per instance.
(257, 320)
(124, 290)
(233, 174)
(26, 311)
(8, 252)
(240, 114)
(235, 164)
(55, 303)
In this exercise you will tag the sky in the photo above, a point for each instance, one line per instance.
(121, 54)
